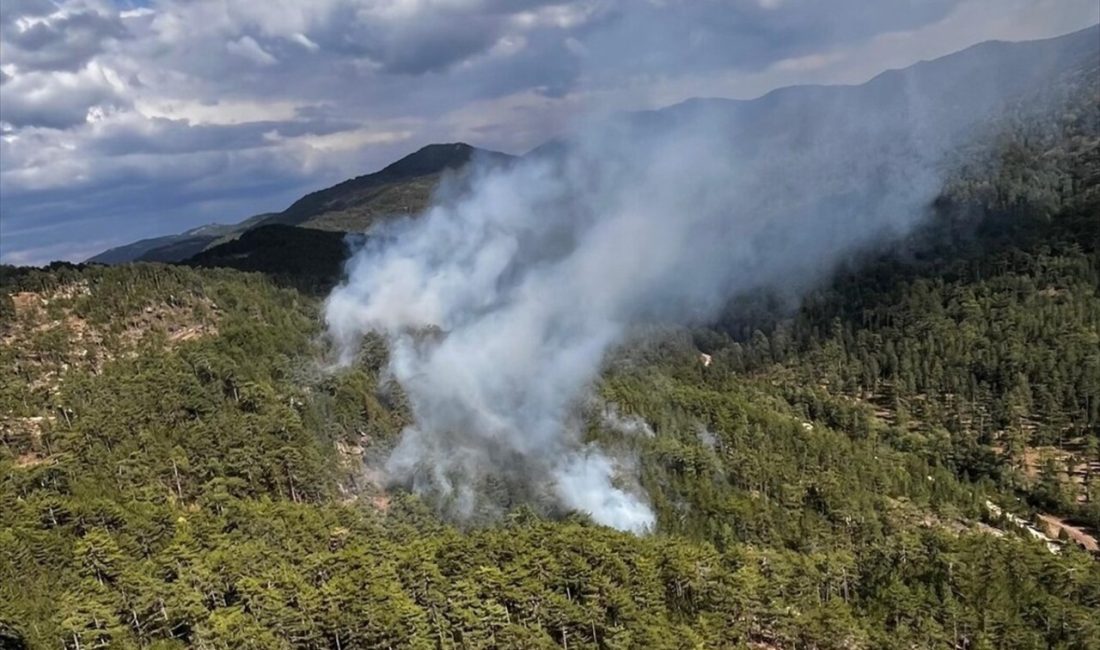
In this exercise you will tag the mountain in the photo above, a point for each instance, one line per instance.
(403, 187)
(307, 258)
(953, 93)
(952, 101)
(930, 105)
(169, 248)
(910, 458)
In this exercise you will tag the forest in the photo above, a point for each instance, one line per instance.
(907, 458)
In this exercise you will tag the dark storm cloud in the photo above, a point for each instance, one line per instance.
(145, 195)
(432, 39)
(414, 46)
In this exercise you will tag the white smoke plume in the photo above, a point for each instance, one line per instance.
(628, 424)
(501, 302)
(526, 281)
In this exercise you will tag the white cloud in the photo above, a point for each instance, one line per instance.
(806, 63)
(60, 99)
(223, 112)
(342, 140)
(66, 250)
(304, 41)
(58, 37)
(247, 47)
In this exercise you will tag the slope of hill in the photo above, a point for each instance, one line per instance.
(954, 99)
(170, 248)
(309, 259)
(404, 187)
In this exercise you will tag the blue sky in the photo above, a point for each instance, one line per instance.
(129, 119)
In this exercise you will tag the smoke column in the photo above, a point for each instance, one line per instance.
(500, 303)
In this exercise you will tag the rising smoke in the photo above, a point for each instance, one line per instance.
(501, 302)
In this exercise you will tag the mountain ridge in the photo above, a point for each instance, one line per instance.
(983, 75)
(405, 184)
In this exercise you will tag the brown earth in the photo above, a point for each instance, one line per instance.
(1054, 526)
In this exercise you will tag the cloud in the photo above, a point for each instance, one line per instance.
(88, 84)
(219, 111)
(59, 99)
(59, 251)
(247, 47)
(38, 36)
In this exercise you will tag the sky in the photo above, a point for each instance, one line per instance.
(125, 119)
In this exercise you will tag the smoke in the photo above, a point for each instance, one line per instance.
(501, 302)
(630, 425)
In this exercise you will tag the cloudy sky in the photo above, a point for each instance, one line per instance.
(123, 119)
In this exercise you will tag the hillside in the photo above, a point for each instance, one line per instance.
(959, 99)
(404, 187)
(307, 258)
(170, 248)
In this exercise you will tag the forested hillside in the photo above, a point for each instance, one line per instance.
(182, 473)
(978, 338)
(181, 467)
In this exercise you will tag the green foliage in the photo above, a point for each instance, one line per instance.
(178, 469)
(976, 341)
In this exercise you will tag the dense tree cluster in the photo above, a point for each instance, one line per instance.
(978, 338)
(196, 493)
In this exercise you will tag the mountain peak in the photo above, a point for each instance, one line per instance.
(427, 161)
(432, 159)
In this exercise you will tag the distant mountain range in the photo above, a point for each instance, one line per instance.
(956, 93)
(403, 187)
